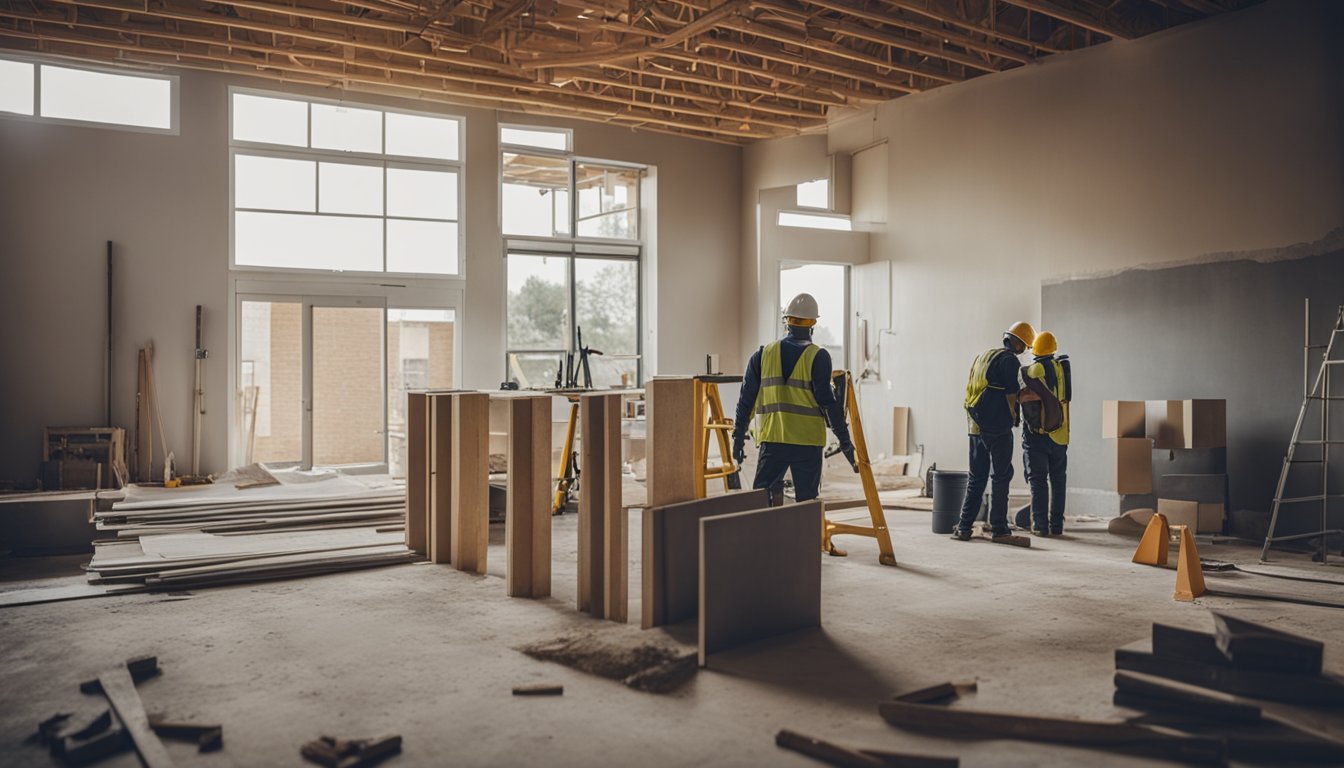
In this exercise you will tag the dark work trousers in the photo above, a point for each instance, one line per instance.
(991, 457)
(1046, 463)
(801, 461)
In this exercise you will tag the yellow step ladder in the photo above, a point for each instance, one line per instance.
(887, 556)
(714, 425)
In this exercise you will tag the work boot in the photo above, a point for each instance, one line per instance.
(960, 535)
(1008, 538)
(1056, 531)
(1043, 533)
(1023, 518)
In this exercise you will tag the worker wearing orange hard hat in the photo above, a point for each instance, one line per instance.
(991, 414)
(1045, 400)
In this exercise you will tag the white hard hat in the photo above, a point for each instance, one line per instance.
(803, 306)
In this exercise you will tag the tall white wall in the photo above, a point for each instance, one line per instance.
(163, 200)
(1223, 135)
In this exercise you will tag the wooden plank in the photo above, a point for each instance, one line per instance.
(900, 430)
(671, 440)
(615, 526)
(1112, 737)
(439, 523)
(1322, 690)
(760, 575)
(825, 751)
(1256, 646)
(592, 504)
(1139, 692)
(417, 472)
(527, 521)
(119, 689)
(470, 492)
(671, 544)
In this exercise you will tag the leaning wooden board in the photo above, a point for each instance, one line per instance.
(760, 575)
(120, 691)
(671, 544)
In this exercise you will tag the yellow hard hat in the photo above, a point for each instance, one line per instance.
(1044, 344)
(1023, 332)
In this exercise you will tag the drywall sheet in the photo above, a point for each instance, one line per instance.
(671, 546)
(760, 575)
(1222, 329)
(671, 440)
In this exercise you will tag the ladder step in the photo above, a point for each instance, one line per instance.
(1318, 497)
(718, 426)
(1305, 461)
(1320, 442)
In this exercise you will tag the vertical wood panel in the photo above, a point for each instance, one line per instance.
(616, 528)
(527, 527)
(470, 491)
(440, 524)
(417, 471)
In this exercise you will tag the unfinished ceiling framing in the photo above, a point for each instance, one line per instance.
(736, 70)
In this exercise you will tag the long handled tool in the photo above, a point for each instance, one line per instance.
(199, 405)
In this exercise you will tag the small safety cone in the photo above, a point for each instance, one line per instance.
(1189, 573)
(1154, 545)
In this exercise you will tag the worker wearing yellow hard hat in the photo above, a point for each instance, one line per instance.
(787, 386)
(1048, 388)
(991, 414)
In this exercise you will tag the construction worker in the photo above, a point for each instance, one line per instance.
(787, 386)
(1045, 434)
(991, 413)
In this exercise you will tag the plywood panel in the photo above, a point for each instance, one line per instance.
(760, 575)
(616, 527)
(440, 523)
(900, 430)
(527, 524)
(417, 471)
(671, 545)
(592, 504)
(470, 492)
(671, 440)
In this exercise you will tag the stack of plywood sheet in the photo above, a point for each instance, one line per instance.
(251, 525)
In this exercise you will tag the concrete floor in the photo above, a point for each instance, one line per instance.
(427, 652)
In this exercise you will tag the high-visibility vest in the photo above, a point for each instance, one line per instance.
(786, 409)
(1057, 381)
(976, 384)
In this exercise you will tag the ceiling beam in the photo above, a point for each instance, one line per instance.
(1076, 18)
(886, 18)
(634, 49)
(923, 9)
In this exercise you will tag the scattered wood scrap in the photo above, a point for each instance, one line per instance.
(120, 691)
(1255, 646)
(539, 689)
(835, 754)
(941, 692)
(1112, 736)
(207, 737)
(350, 753)
(141, 668)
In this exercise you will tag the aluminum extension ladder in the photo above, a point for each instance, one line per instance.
(1319, 391)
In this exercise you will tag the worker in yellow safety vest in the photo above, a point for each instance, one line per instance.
(1045, 435)
(991, 413)
(787, 386)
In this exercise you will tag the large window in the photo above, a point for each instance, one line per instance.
(327, 186)
(88, 95)
(573, 260)
(829, 285)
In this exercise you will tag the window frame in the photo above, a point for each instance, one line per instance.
(174, 93)
(384, 161)
(629, 252)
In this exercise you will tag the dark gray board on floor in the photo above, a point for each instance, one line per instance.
(760, 575)
(672, 549)
(1205, 489)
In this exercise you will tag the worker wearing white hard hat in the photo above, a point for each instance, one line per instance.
(787, 387)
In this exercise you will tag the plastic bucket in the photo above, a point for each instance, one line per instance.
(949, 491)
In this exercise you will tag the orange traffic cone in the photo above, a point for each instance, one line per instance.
(1154, 544)
(1189, 574)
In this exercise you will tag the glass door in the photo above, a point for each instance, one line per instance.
(348, 404)
(420, 355)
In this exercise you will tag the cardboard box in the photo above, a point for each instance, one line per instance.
(1133, 465)
(1206, 489)
(1186, 424)
(1163, 423)
(1200, 518)
(1122, 418)
(1203, 424)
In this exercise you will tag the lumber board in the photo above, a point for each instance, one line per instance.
(1256, 646)
(615, 526)
(1320, 690)
(670, 445)
(670, 539)
(593, 491)
(825, 751)
(1186, 644)
(470, 492)
(440, 491)
(760, 575)
(1138, 692)
(1110, 736)
(417, 471)
(120, 691)
(527, 519)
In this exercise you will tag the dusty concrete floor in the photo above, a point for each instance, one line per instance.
(427, 652)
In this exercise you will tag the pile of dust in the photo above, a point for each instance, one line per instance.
(645, 666)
